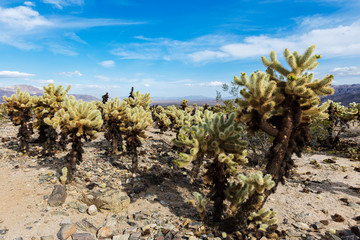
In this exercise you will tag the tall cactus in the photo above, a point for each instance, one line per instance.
(283, 109)
(136, 118)
(19, 109)
(79, 120)
(46, 106)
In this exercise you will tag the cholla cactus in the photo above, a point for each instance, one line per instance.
(78, 120)
(283, 109)
(136, 120)
(46, 106)
(138, 99)
(201, 202)
(184, 104)
(113, 113)
(161, 119)
(220, 138)
(19, 109)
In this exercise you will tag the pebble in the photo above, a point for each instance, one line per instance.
(82, 207)
(338, 218)
(121, 237)
(130, 230)
(58, 196)
(82, 236)
(47, 238)
(104, 232)
(301, 225)
(92, 210)
(66, 231)
(135, 236)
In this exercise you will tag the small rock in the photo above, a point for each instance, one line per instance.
(58, 196)
(104, 232)
(139, 216)
(194, 225)
(86, 226)
(338, 218)
(110, 220)
(301, 225)
(135, 236)
(66, 231)
(121, 237)
(47, 238)
(356, 230)
(115, 201)
(82, 236)
(82, 208)
(92, 210)
(325, 222)
(130, 230)
(3, 231)
(349, 237)
(318, 225)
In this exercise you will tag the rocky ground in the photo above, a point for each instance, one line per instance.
(320, 201)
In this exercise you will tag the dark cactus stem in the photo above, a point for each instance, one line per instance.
(105, 98)
(132, 143)
(74, 157)
(24, 134)
(49, 141)
(217, 171)
(131, 95)
(114, 135)
(196, 167)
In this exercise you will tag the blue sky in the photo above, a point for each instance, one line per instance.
(169, 48)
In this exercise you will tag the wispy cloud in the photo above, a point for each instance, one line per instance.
(25, 28)
(71, 74)
(60, 49)
(60, 4)
(14, 74)
(205, 84)
(346, 71)
(107, 63)
(74, 37)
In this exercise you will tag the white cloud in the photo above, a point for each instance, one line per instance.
(28, 3)
(346, 71)
(107, 63)
(22, 17)
(70, 74)
(44, 81)
(14, 74)
(332, 40)
(147, 85)
(60, 4)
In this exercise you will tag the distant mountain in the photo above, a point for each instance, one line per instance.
(345, 94)
(9, 90)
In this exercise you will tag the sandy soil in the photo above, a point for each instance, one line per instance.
(317, 191)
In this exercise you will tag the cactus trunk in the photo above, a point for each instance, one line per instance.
(74, 157)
